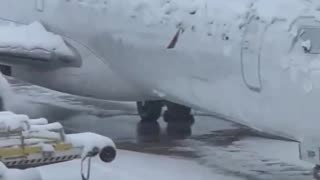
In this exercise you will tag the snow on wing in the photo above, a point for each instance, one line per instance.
(34, 45)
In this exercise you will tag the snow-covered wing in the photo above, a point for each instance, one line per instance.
(34, 45)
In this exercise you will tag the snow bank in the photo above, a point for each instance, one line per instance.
(136, 166)
(254, 158)
(33, 37)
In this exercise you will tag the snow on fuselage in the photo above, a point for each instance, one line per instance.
(253, 62)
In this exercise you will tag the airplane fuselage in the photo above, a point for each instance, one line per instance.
(236, 61)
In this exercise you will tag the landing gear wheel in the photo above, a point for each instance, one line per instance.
(316, 172)
(1, 104)
(149, 111)
(6, 70)
(177, 108)
(177, 113)
(171, 117)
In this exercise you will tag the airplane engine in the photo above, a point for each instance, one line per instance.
(108, 154)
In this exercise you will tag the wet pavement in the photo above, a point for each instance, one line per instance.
(212, 142)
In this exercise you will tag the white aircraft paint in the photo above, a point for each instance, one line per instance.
(246, 60)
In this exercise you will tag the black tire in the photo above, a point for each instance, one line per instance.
(149, 111)
(177, 108)
(2, 108)
(316, 172)
(6, 70)
(171, 117)
(177, 113)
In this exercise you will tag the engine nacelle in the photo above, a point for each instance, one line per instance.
(107, 154)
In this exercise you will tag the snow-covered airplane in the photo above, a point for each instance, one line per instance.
(255, 62)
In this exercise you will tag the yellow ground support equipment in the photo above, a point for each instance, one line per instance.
(26, 143)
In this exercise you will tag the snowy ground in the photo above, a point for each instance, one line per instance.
(216, 150)
(131, 165)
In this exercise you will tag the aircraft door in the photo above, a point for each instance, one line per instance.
(251, 46)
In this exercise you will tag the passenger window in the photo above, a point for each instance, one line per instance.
(310, 37)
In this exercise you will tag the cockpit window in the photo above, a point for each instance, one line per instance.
(310, 37)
